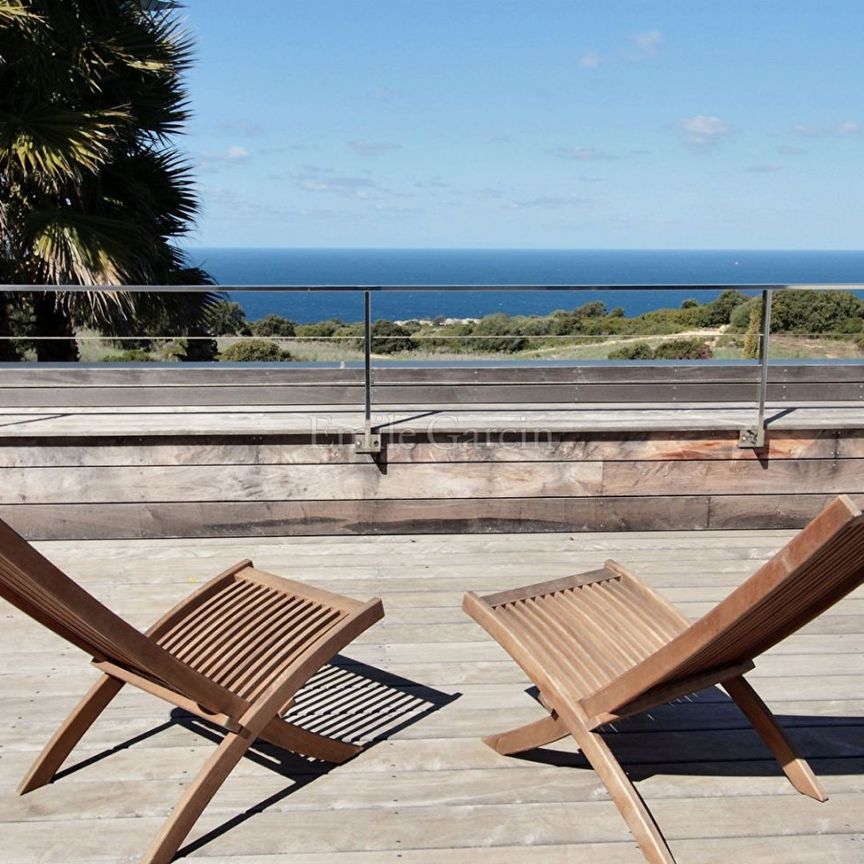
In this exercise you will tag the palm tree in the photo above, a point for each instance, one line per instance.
(91, 191)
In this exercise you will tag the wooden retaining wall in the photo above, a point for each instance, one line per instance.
(177, 385)
(488, 478)
(144, 487)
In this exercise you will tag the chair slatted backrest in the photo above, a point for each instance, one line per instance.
(29, 581)
(822, 564)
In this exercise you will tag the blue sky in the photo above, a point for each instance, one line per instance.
(528, 123)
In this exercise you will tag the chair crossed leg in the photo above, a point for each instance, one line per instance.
(212, 775)
(565, 720)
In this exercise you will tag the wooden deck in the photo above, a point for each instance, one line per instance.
(424, 685)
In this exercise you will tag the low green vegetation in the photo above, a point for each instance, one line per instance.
(672, 349)
(254, 351)
(806, 324)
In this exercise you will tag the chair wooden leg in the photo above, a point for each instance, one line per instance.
(624, 794)
(800, 774)
(536, 734)
(291, 737)
(196, 797)
(54, 754)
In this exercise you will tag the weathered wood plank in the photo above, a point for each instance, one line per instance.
(495, 447)
(706, 477)
(300, 482)
(476, 480)
(261, 518)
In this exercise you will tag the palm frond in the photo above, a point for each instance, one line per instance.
(57, 143)
(13, 11)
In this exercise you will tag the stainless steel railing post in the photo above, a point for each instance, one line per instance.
(366, 442)
(754, 436)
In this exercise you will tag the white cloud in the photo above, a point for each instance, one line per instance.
(554, 202)
(703, 131)
(848, 127)
(762, 168)
(372, 148)
(805, 131)
(240, 127)
(589, 60)
(216, 161)
(648, 44)
(641, 46)
(791, 150)
(579, 154)
(346, 187)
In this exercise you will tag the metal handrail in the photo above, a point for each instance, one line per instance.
(484, 286)
(752, 436)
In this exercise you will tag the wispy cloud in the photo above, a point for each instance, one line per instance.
(805, 130)
(645, 45)
(590, 59)
(791, 150)
(762, 168)
(488, 192)
(361, 188)
(240, 127)
(554, 202)
(435, 183)
(372, 148)
(703, 132)
(216, 160)
(648, 44)
(579, 154)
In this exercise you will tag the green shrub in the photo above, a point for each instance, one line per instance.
(388, 337)
(633, 351)
(719, 311)
(591, 309)
(753, 338)
(689, 303)
(683, 349)
(272, 325)
(740, 317)
(564, 323)
(673, 349)
(535, 325)
(502, 326)
(318, 330)
(254, 350)
(225, 318)
(413, 326)
(814, 311)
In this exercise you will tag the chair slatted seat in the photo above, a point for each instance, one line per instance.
(602, 645)
(235, 652)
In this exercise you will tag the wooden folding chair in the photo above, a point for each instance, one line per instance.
(235, 652)
(601, 646)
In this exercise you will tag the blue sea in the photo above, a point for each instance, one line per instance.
(504, 267)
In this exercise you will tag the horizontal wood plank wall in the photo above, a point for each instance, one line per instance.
(287, 385)
(123, 488)
(234, 483)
